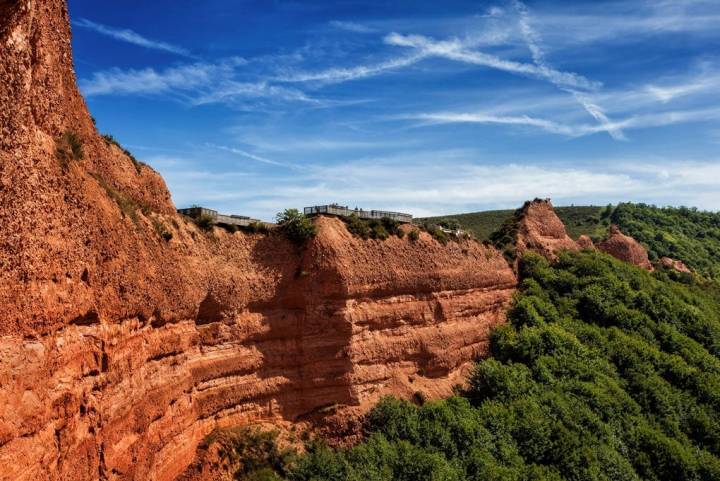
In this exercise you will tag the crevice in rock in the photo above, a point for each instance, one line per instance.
(87, 319)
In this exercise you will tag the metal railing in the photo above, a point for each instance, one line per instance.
(344, 211)
(238, 220)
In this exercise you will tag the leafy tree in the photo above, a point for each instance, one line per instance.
(296, 226)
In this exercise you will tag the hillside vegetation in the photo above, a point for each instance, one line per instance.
(687, 234)
(605, 372)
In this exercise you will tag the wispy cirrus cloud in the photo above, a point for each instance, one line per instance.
(251, 156)
(469, 185)
(618, 21)
(454, 49)
(198, 83)
(532, 39)
(351, 26)
(132, 37)
(659, 119)
(181, 79)
(337, 75)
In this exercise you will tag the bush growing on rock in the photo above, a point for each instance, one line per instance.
(373, 229)
(296, 226)
(68, 147)
(205, 222)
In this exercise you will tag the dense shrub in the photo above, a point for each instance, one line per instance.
(252, 454)
(296, 226)
(205, 222)
(436, 232)
(257, 228)
(373, 229)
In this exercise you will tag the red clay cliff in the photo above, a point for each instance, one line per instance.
(120, 347)
(120, 350)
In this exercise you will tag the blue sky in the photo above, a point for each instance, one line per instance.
(427, 107)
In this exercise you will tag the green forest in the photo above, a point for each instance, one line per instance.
(688, 234)
(603, 372)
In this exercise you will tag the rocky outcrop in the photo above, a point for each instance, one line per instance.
(679, 266)
(585, 242)
(625, 248)
(330, 328)
(539, 229)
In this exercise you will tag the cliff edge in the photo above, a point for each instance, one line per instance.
(128, 334)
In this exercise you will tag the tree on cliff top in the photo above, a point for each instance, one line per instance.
(296, 226)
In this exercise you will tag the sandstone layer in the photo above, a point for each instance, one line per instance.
(120, 349)
(539, 229)
(625, 248)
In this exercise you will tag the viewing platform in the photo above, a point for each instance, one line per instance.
(344, 211)
(236, 220)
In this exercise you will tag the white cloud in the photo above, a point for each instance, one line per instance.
(618, 21)
(195, 84)
(533, 41)
(129, 36)
(455, 49)
(571, 130)
(423, 183)
(458, 50)
(230, 91)
(182, 79)
(335, 75)
(250, 155)
(351, 26)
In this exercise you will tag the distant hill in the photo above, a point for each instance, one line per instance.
(682, 233)
(578, 220)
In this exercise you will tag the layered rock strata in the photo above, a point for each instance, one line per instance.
(127, 333)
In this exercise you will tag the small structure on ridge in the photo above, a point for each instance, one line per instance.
(196, 212)
(344, 211)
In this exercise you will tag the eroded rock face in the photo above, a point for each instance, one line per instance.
(625, 248)
(120, 350)
(673, 264)
(334, 326)
(540, 230)
(585, 242)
